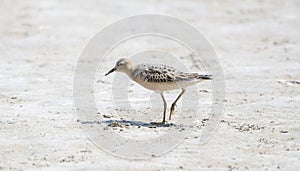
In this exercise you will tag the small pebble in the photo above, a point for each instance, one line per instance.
(283, 131)
(106, 116)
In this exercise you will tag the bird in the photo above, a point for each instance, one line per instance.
(159, 78)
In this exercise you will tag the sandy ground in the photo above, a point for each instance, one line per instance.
(259, 46)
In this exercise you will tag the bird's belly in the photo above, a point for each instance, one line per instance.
(164, 86)
(160, 86)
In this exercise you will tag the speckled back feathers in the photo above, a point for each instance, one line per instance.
(166, 74)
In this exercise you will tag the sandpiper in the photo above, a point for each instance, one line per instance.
(159, 78)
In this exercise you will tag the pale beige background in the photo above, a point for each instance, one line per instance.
(258, 41)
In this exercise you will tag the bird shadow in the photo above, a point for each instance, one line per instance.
(138, 123)
(129, 122)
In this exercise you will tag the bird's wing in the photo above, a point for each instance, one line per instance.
(158, 73)
(164, 73)
(181, 76)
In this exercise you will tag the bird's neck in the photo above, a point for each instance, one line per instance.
(130, 72)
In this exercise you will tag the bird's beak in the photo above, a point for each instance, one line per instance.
(112, 70)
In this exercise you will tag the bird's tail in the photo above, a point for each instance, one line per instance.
(204, 77)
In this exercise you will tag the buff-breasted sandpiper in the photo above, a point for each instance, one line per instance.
(159, 78)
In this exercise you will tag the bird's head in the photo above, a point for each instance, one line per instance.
(122, 65)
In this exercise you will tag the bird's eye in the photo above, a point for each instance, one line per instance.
(120, 64)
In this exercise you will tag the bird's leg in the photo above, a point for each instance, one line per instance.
(165, 110)
(165, 107)
(174, 103)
